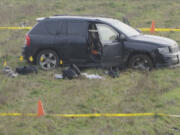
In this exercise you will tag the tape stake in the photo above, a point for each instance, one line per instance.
(21, 58)
(31, 59)
(5, 64)
(60, 62)
(41, 59)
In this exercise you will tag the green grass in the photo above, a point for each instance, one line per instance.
(132, 92)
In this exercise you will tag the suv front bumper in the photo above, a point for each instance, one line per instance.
(169, 60)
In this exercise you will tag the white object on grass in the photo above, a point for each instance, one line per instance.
(92, 76)
(58, 76)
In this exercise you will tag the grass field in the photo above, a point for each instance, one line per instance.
(132, 92)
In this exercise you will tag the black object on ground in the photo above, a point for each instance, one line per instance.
(113, 72)
(71, 72)
(26, 70)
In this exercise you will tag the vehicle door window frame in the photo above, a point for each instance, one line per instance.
(113, 30)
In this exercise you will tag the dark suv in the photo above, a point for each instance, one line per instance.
(96, 42)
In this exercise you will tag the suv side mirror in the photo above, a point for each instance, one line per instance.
(122, 37)
(139, 30)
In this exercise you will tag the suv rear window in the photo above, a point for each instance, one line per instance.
(39, 28)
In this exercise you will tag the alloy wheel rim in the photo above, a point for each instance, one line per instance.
(141, 64)
(48, 61)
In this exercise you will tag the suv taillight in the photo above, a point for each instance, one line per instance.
(27, 41)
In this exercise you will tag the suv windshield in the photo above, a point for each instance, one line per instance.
(124, 28)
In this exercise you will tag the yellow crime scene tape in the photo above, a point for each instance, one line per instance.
(15, 28)
(91, 115)
(142, 29)
(160, 29)
(21, 58)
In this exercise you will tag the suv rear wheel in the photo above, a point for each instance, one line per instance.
(47, 59)
(140, 62)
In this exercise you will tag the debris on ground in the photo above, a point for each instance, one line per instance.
(26, 70)
(9, 72)
(71, 72)
(113, 72)
(58, 76)
(92, 76)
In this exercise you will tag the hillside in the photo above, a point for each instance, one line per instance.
(132, 92)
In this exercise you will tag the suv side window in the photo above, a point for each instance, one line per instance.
(107, 34)
(62, 28)
(76, 28)
(51, 27)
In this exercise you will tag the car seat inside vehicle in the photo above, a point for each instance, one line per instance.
(95, 47)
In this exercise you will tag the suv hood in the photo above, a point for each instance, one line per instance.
(155, 40)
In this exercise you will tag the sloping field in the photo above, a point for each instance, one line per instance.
(133, 92)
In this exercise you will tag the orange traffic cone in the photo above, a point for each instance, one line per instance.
(40, 109)
(152, 27)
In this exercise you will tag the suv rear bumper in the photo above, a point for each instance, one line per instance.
(27, 53)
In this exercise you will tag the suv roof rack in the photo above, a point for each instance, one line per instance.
(83, 15)
(62, 15)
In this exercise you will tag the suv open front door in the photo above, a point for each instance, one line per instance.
(111, 46)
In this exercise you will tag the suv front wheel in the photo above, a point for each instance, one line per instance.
(140, 62)
(47, 59)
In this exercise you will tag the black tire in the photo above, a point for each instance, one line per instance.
(140, 62)
(47, 59)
